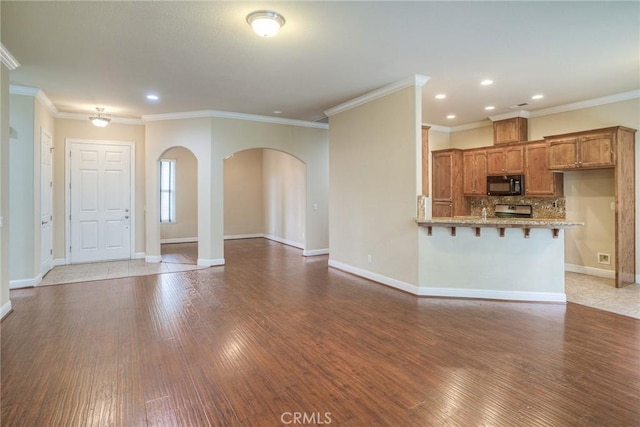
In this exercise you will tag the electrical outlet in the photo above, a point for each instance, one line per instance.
(1, 221)
(315, 206)
(612, 206)
(369, 258)
(604, 258)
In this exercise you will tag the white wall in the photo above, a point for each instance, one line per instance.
(21, 199)
(5, 301)
(186, 225)
(373, 187)
(284, 196)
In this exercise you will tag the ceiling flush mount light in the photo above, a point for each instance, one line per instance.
(538, 96)
(441, 96)
(265, 23)
(101, 119)
(486, 82)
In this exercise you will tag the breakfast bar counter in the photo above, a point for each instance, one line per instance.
(499, 223)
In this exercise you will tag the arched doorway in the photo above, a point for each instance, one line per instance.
(265, 196)
(178, 185)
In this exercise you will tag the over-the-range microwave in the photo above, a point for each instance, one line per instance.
(505, 185)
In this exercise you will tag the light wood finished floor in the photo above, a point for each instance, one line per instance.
(272, 334)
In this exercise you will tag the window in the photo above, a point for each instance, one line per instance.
(167, 191)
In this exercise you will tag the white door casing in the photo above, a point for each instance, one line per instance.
(100, 194)
(46, 199)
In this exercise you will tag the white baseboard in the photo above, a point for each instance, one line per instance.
(314, 252)
(203, 262)
(591, 271)
(153, 258)
(451, 292)
(25, 283)
(180, 240)
(5, 309)
(284, 241)
(494, 294)
(59, 261)
(139, 255)
(243, 236)
(403, 286)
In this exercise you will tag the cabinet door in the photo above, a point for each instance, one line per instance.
(563, 154)
(538, 181)
(442, 170)
(510, 130)
(480, 172)
(468, 176)
(513, 160)
(441, 209)
(595, 151)
(495, 162)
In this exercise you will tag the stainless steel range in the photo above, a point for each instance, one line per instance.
(514, 211)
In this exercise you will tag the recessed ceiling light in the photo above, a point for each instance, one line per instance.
(277, 111)
(486, 82)
(152, 97)
(451, 116)
(489, 107)
(441, 96)
(538, 96)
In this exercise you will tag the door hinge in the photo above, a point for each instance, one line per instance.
(51, 184)
(69, 248)
(51, 251)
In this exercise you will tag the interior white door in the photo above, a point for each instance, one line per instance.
(46, 197)
(100, 197)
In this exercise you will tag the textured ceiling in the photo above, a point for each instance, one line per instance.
(204, 56)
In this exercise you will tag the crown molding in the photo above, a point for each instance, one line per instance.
(610, 99)
(231, 115)
(511, 115)
(83, 117)
(7, 58)
(415, 80)
(438, 128)
(47, 103)
(23, 90)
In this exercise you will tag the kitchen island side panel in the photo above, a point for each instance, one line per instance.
(489, 266)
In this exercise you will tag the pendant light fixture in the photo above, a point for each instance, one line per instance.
(100, 119)
(265, 23)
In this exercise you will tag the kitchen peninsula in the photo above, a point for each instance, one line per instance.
(494, 258)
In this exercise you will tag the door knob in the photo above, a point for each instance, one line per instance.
(126, 217)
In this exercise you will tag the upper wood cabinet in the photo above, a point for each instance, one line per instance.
(505, 160)
(475, 172)
(447, 198)
(510, 130)
(587, 150)
(539, 180)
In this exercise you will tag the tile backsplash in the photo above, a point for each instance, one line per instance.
(543, 207)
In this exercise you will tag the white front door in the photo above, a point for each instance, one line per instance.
(46, 189)
(100, 194)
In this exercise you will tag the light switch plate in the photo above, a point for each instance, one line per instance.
(1, 221)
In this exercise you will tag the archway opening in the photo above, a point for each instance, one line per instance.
(265, 196)
(178, 179)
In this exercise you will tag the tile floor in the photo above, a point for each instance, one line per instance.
(581, 289)
(110, 270)
(601, 293)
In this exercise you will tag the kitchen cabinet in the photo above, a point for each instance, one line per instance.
(612, 147)
(505, 160)
(587, 150)
(510, 130)
(447, 198)
(475, 172)
(538, 179)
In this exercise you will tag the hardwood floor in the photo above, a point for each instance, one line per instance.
(180, 253)
(273, 337)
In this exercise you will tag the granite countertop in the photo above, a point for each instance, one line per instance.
(475, 221)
